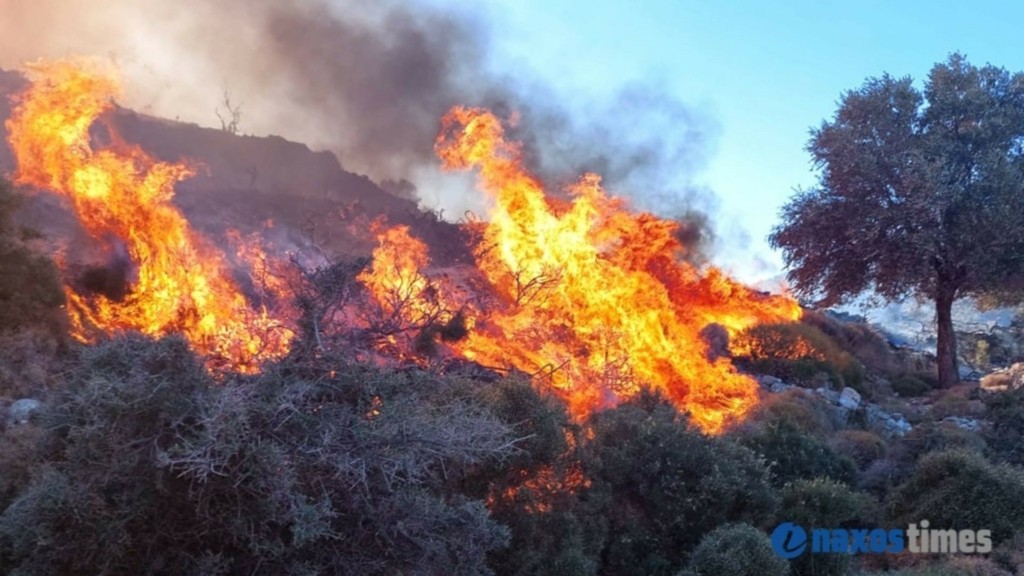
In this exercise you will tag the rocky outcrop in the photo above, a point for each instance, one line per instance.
(848, 405)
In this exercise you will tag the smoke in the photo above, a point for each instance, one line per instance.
(370, 82)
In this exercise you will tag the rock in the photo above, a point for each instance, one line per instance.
(830, 395)
(21, 411)
(849, 399)
(892, 424)
(964, 423)
(773, 384)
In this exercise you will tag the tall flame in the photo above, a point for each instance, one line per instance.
(181, 283)
(597, 300)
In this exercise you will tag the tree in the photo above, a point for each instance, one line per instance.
(920, 192)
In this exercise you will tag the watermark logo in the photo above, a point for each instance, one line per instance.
(790, 540)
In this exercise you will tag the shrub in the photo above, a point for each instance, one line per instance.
(660, 484)
(30, 288)
(958, 489)
(544, 475)
(936, 437)
(1006, 435)
(150, 468)
(910, 386)
(793, 454)
(737, 550)
(857, 339)
(861, 446)
(801, 408)
(797, 353)
(821, 503)
(30, 362)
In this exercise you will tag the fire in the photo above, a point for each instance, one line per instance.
(180, 283)
(594, 301)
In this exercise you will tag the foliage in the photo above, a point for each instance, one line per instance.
(910, 386)
(797, 353)
(959, 489)
(149, 468)
(30, 289)
(660, 484)
(822, 503)
(1006, 435)
(857, 339)
(798, 407)
(936, 437)
(528, 492)
(861, 446)
(737, 550)
(920, 192)
(793, 454)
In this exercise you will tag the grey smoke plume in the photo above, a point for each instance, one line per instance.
(367, 80)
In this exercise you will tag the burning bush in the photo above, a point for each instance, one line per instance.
(798, 353)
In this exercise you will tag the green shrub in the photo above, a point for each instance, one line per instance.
(736, 550)
(822, 503)
(799, 407)
(660, 484)
(861, 446)
(793, 454)
(30, 288)
(1006, 435)
(910, 386)
(936, 437)
(958, 489)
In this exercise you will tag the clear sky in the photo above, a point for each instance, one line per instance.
(766, 71)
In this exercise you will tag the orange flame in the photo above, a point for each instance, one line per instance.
(182, 283)
(596, 300)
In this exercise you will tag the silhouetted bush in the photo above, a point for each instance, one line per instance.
(736, 550)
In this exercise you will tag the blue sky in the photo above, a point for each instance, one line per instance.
(765, 71)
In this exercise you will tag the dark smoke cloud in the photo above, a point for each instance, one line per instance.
(369, 81)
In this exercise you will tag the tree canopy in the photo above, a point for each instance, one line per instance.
(920, 192)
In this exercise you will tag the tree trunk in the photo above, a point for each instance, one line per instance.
(949, 373)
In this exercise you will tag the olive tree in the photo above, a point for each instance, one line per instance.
(920, 192)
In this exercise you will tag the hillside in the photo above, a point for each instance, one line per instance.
(247, 183)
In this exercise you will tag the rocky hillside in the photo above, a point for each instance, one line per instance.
(250, 184)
